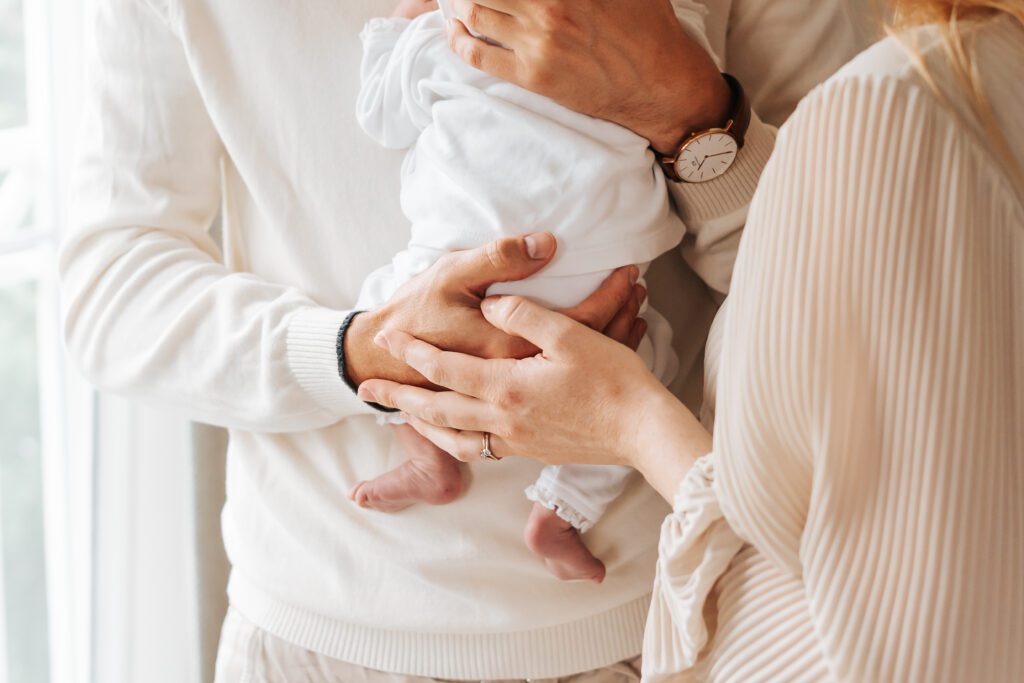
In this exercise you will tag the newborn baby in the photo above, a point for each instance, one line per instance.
(489, 159)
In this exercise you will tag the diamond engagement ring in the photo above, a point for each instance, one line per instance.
(486, 453)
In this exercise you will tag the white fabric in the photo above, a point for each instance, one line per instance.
(485, 159)
(861, 517)
(488, 157)
(196, 108)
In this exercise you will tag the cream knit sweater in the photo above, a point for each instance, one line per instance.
(862, 516)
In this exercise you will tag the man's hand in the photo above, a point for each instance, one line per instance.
(410, 9)
(627, 61)
(442, 306)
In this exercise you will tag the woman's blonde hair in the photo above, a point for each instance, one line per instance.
(952, 17)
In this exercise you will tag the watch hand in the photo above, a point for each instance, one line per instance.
(717, 155)
(702, 162)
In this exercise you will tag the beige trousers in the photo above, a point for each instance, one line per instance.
(248, 654)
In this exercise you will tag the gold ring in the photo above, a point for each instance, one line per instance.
(486, 453)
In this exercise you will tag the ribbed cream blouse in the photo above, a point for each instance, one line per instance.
(862, 516)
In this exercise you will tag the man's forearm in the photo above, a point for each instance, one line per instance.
(715, 212)
(361, 359)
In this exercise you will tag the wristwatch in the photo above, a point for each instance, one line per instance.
(707, 154)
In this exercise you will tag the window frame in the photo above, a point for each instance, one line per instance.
(40, 153)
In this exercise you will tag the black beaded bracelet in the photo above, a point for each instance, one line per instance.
(340, 348)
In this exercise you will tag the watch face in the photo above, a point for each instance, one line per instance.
(706, 157)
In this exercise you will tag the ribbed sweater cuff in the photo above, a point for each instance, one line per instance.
(699, 203)
(313, 358)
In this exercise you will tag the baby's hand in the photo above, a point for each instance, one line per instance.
(410, 9)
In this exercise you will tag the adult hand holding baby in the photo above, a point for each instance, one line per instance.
(628, 62)
(583, 399)
(442, 306)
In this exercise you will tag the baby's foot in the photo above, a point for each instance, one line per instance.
(429, 476)
(559, 543)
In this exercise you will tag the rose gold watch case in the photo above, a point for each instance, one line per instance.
(673, 163)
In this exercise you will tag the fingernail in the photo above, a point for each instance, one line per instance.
(539, 245)
(366, 394)
(634, 274)
(381, 340)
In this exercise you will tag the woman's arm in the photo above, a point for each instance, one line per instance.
(868, 432)
(585, 398)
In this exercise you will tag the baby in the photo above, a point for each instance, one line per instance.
(489, 159)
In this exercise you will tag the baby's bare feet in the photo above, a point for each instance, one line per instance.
(429, 476)
(559, 543)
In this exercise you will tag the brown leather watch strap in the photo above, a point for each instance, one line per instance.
(740, 118)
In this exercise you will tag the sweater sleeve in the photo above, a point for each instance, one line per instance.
(868, 435)
(822, 39)
(695, 549)
(150, 311)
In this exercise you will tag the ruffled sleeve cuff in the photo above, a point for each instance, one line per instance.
(542, 494)
(697, 544)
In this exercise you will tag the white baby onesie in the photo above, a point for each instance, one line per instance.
(489, 159)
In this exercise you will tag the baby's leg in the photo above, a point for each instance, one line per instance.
(429, 476)
(568, 501)
(560, 544)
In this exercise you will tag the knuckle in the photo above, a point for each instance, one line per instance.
(537, 76)
(494, 256)
(590, 319)
(563, 338)
(432, 370)
(551, 18)
(472, 54)
(465, 452)
(513, 397)
(514, 308)
(434, 416)
(501, 253)
(383, 396)
(471, 15)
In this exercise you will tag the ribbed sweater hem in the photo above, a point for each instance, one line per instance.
(550, 652)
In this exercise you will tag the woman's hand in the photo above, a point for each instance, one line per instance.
(410, 9)
(584, 399)
(627, 61)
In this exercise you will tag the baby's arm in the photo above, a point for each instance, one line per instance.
(391, 108)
